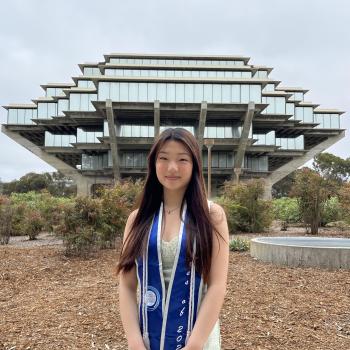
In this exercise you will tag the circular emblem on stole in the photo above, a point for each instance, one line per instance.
(152, 298)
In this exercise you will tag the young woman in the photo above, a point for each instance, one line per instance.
(175, 252)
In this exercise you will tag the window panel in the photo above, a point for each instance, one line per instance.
(230, 160)
(228, 131)
(62, 105)
(180, 92)
(214, 160)
(280, 107)
(308, 115)
(28, 116)
(335, 121)
(271, 105)
(299, 113)
(114, 91)
(326, 121)
(136, 130)
(12, 116)
(84, 102)
(189, 93)
(151, 92)
(20, 116)
(133, 92)
(255, 93)
(198, 93)
(161, 92)
(137, 159)
(299, 142)
(144, 131)
(124, 92)
(216, 93)
(51, 109)
(170, 92)
(226, 93)
(236, 93)
(222, 160)
(103, 91)
(42, 110)
(151, 131)
(143, 92)
(208, 93)
(220, 131)
(129, 161)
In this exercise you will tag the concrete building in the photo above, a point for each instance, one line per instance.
(101, 126)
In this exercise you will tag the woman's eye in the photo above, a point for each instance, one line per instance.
(184, 160)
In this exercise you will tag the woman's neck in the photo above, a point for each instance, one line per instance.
(172, 199)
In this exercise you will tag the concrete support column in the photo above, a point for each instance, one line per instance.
(238, 162)
(201, 124)
(84, 187)
(297, 162)
(113, 140)
(156, 118)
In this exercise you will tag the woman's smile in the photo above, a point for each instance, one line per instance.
(172, 177)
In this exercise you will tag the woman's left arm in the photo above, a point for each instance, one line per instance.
(212, 303)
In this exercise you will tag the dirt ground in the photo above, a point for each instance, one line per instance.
(48, 301)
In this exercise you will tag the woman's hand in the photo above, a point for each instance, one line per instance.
(192, 347)
(140, 347)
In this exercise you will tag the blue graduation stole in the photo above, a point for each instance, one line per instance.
(166, 320)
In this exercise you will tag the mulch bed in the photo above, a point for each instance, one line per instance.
(48, 301)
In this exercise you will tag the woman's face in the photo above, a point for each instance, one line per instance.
(174, 165)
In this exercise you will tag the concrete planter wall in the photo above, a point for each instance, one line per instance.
(329, 253)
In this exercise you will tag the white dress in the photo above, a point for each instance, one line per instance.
(168, 256)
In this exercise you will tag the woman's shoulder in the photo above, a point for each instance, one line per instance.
(132, 215)
(215, 209)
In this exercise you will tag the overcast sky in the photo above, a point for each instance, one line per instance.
(306, 42)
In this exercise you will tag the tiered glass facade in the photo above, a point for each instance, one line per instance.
(180, 84)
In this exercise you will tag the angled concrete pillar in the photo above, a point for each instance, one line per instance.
(242, 146)
(297, 162)
(201, 124)
(156, 118)
(83, 183)
(113, 140)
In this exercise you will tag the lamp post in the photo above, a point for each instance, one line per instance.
(209, 144)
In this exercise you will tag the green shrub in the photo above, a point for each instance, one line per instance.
(116, 205)
(33, 223)
(50, 208)
(19, 214)
(79, 229)
(239, 245)
(332, 211)
(232, 211)
(344, 199)
(287, 210)
(6, 217)
(253, 213)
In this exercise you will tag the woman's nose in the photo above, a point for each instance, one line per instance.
(172, 165)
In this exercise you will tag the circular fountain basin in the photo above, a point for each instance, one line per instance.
(323, 252)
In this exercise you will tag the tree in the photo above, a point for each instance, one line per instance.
(283, 187)
(56, 183)
(312, 192)
(332, 167)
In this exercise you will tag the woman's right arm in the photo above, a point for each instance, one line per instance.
(128, 301)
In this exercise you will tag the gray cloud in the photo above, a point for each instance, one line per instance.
(306, 42)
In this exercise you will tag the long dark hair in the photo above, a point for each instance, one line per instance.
(199, 223)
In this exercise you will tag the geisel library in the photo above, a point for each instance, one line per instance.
(101, 126)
